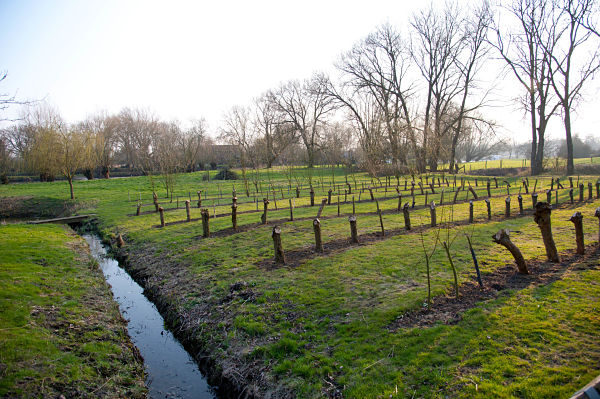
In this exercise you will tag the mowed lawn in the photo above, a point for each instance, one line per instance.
(328, 324)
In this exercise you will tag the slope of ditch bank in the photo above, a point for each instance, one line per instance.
(61, 332)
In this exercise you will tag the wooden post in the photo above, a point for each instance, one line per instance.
(597, 190)
(291, 210)
(571, 195)
(502, 237)
(312, 196)
(406, 216)
(338, 204)
(577, 220)
(323, 202)
(205, 222)
(161, 211)
(187, 210)
(234, 216)
(199, 198)
(597, 214)
(542, 218)
(590, 191)
(507, 207)
(581, 192)
(489, 208)
(317, 229)
(139, 208)
(470, 211)
(279, 255)
(520, 199)
(534, 198)
(329, 197)
(380, 218)
(353, 230)
(263, 217)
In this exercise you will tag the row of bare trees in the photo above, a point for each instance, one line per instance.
(416, 99)
(42, 142)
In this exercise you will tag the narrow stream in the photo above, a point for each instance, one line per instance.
(172, 372)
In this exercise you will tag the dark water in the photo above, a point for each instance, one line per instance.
(172, 372)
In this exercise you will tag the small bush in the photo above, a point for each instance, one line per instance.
(226, 174)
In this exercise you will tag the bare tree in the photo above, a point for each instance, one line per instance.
(521, 43)
(376, 92)
(102, 140)
(238, 131)
(74, 153)
(191, 143)
(305, 106)
(273, 133)
(572, 30)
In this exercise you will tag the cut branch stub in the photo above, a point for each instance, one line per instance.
(263, 217)
(502, 237)
(541, 216)
(577, 220)
(279, 255)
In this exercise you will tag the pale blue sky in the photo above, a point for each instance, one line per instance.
(183, 59)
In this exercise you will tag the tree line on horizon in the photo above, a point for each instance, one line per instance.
(402, 101)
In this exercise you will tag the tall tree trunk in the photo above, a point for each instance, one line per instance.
(70, 179)
(567, 121)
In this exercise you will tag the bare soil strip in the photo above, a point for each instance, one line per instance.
(448, 310)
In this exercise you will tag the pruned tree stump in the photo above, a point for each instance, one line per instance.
(279, 255)
(161, 212)
(406, 216)
(318, 241)
(577, 220)
(353, 229)
(205, 215)
(541, 216)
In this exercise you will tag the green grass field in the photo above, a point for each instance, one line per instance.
(61, 332)
(328, 324)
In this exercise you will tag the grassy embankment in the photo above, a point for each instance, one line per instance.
(329, 322)
(61, 332)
